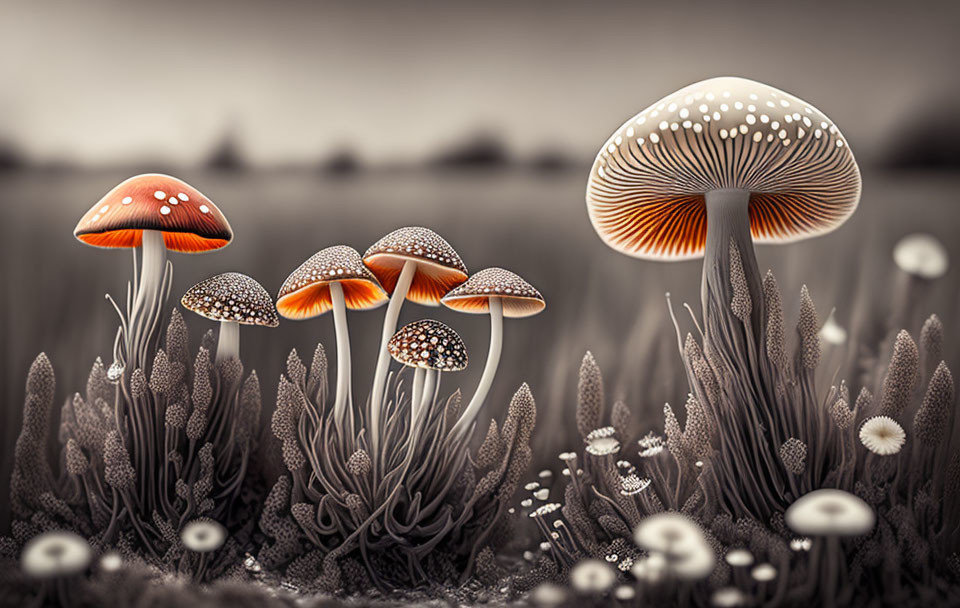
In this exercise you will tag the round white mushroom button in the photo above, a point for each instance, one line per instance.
(159, 195)
(174, 200)
(204, 209)
(127, 200)
(183, 197)
(165, 210)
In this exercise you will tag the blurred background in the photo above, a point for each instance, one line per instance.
(312, 124)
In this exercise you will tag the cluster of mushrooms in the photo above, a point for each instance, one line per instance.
(159, 213)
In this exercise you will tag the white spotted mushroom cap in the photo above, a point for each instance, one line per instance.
(519, 298)
(189, 221)
(646, 190)
(439, 267)
(306, 292)
(428, 344)
(231, 297)
(830, 512)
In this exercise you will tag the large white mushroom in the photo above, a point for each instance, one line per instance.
(710, 169)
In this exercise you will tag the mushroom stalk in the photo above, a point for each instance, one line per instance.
(489, 371)
(228, 343)
(728, 225)
(344, 395)
(383, 357)
(152, 263)
(429, 388)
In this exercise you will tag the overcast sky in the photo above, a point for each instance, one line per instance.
(104, 81)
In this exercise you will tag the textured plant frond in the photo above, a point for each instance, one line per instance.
(589, 396)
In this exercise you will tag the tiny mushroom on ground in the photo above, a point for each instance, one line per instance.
(430, 347)
(411, 263)
(332, 279)
(234, 299)
(155, 212)
(56, 554)
(714, 166)
(500, 293)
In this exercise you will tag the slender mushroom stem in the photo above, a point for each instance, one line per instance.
(228, 343)
(344, 396)
(489, 371)
(429, 388)
(152, 265)
(383, 357)
(419, 376)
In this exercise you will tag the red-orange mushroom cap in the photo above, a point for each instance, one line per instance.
(306, 292)
(645, 195)
(189, 221)
(439, 267)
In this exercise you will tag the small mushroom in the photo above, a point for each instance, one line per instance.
(332, 279)
(830, 512)
(430, 347)
(154, 212)
(709, 169)
(921, 255)
(234, 299)
(411, 263)
(500, 293)
(55, 554)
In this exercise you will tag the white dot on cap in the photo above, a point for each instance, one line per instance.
(164, 210)
(104, 208)
(159, 195)
(204, 209)
(127, 200)
(183, 197)
(174, 200)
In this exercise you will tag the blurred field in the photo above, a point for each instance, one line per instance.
(534, 224)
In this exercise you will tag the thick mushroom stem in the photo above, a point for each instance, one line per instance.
(152, 264)
(228, 343)
(460, 429)
(383, 357)
(344, 396)
(728, 226)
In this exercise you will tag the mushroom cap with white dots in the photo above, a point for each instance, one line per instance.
(830, 512)
(646, 192)
(189, 221)
(439, 267)
(519, 298)
(232, 296)
(306, 292)
(428, 344)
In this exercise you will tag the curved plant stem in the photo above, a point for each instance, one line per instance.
(489, 371)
